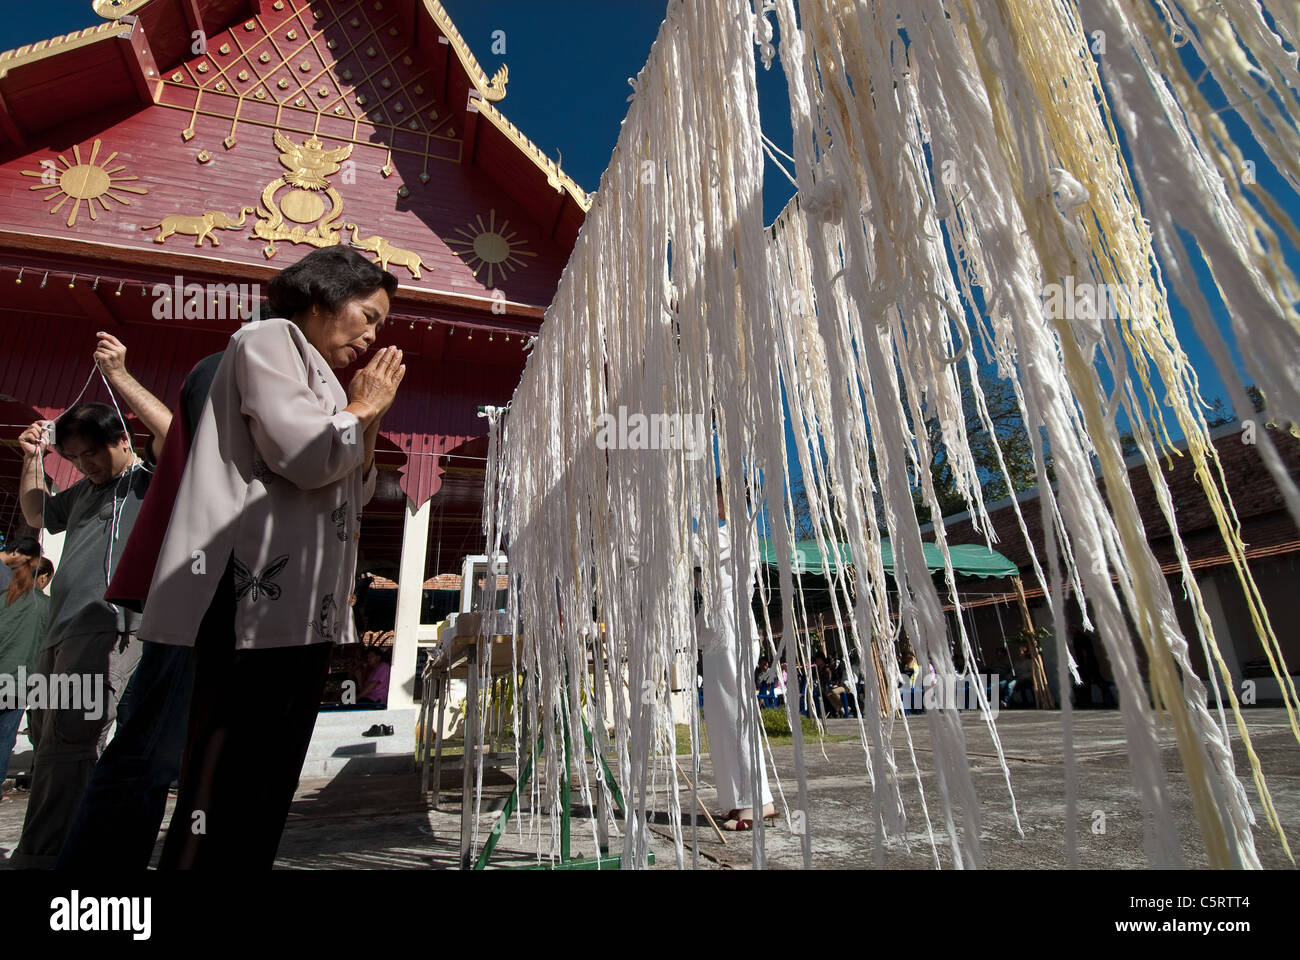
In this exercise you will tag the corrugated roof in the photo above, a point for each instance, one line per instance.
(443, 581)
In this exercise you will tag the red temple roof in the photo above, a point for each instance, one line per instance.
(131, 155)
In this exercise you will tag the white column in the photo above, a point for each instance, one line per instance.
(410, 596)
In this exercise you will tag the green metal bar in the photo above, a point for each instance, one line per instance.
(582, 863)
(609, 774)
(566, 813)
(567, 861)
(498, 831)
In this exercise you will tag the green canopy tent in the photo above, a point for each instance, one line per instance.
(968, 559)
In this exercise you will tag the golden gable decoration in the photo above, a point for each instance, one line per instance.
(309, 165)
(83, 182)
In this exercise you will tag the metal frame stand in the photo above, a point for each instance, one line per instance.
(567, 860)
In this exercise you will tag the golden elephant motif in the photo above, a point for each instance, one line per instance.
(200, 227)
(387, 253)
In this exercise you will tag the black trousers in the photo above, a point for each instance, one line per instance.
(251, 721)
(117, 823)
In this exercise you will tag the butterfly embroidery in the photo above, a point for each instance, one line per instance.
(325, 629)
(340, 518)
(264, 583)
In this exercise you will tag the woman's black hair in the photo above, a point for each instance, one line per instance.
(97, 424)
(328, 277)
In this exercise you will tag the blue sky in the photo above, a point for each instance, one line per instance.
(569, 63)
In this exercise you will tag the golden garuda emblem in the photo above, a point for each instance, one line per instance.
(309, 164)
(300, 214)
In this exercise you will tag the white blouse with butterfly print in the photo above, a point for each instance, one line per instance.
(273, 483)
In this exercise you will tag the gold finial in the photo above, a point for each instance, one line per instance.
(116, 9)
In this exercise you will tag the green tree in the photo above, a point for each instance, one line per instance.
(1008, 435)
(1218, 414)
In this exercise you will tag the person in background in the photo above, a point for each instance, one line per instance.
(853, 694)
(909, 667)
(1000, 667)
(44, 574)
(8, 557)
(722, 651)
(360, 591)
(24, 616)
(820, 677)
(122, 810)
(910, 671)
(87, 636)
(15, 554)
(1022, 668)
(374, 689)
(833, 689)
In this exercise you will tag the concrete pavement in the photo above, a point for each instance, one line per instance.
(380, 821)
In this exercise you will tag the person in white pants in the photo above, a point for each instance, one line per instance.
(724, 685)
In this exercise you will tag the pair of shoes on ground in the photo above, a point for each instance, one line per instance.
(743, 819)
(379, 730)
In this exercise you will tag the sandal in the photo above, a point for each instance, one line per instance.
(735, 822)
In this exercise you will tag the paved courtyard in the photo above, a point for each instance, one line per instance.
(382, 822)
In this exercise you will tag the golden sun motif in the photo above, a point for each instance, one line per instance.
(80, 182)
(492, 246)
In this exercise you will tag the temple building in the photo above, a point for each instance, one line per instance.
(1272, 556)
(160, 168)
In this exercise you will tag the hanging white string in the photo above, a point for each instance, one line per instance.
(767, 148)
(950, 172)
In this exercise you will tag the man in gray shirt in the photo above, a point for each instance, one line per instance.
(89, 642)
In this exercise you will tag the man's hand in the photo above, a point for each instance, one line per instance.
(110, 355)
(32, 438)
